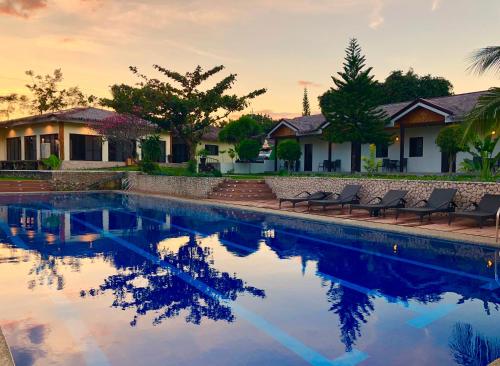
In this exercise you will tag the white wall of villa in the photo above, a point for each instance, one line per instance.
(429, 162)
(67, 129)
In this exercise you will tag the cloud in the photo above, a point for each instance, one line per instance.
(308, 84)
(277, 115)
(21, 8)
(376, 18)
(435, 4)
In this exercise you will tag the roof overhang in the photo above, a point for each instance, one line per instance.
(421, 103)
(280, 124)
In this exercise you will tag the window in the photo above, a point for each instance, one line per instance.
(382, 151)
(121, 151)
(14, 148)
(30, 148)
(416, 147)
(53, 141)
(212, 149)
(85, 147)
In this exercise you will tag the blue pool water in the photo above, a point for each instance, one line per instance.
(116, 279)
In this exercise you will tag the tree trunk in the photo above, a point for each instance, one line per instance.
(191, 148)
(451, 160)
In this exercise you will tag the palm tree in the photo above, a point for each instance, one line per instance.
(484, 119)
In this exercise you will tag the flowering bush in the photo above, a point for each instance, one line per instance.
(124, 127)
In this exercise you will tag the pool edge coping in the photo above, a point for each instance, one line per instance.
(445, 235)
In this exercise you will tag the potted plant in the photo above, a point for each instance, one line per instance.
(203, 156)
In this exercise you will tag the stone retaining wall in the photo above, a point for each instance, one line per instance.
(192, 187)
(71, 180)
(417, 189)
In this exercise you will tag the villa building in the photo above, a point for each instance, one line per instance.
(414, 125)
(67, 134)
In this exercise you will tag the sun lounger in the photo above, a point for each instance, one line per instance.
(305, 196)
(348, 195)
(486, 209)
(392, 199)
(440, 200)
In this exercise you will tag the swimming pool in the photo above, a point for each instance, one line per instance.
(117, 279)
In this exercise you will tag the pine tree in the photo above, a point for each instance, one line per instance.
(351, 105)
(306, 109)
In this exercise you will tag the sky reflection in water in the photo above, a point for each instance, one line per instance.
(125, 280)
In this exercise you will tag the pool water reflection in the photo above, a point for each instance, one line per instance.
(120, 279)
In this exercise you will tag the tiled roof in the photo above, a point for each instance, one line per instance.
(82, 114)
(458, 105)
(211, 134)
(306, 124)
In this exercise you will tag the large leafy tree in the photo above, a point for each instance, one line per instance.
(401, 87)
(485, 117)
(351, 106)
(265, 121)
(47, 95)
(236, 131)
(8, 104)
(180, 104)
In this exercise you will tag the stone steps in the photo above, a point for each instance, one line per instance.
(243, 190)
(25, 186)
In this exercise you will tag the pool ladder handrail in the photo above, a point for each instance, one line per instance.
(497, 222)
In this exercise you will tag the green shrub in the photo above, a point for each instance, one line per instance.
(191, 166)
(150, 147)
(371, 163)
(53, 162)
(289, 150)
(149, 167)
(248, 149)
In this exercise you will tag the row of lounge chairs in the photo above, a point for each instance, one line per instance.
(440, 200)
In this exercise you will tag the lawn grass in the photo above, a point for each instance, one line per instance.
(427, 177)
(3, 179)
(182, 171)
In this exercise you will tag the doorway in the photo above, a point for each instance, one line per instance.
(445, 164)
(308, 157)
(355, 157)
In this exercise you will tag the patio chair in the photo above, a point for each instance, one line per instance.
(304, 197)
(386, 165)
(440, 200)
(392, 199)
(336, 165)
(348, 196)
(324, 166)
(486, 209)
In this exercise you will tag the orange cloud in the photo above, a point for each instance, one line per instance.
(308, 84)
(21, 8)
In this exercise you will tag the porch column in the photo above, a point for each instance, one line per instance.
(401, 147)
(329, 156)
(275, 154)
(297, 162)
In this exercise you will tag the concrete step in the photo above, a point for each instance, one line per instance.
(243, 190)
(242, 196)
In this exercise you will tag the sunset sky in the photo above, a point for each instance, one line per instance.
(282, 45)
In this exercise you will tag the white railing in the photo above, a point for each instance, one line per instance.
(498, 218)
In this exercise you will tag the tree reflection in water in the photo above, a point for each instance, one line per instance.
(352, 308)
(470, 348)
(150, 287)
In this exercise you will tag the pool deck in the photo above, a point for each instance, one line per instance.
(5, 355)
(460, 229)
